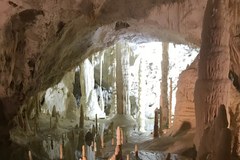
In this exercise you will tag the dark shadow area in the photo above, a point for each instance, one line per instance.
(184, 128)
(191, 152)
(234, 78)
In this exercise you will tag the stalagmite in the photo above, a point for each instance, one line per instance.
(98, 145)
(141, 96)
(219, 137)
(80, 139)
(236, 131)
(168, 156)
(112, 141)
(36, 125)
(84, 153)
(50, 122)
(28, 128)
(113, 109)
(136, 151)
(30, 155)
(118, 134)
(212, 86)
(118, 149)
(95, 146)
(100, 83)
(60, 152)
(155, 132)
(81, 119)
(170, 103)
(128, 158)
(102, 141)
(122, 135)
(125, 60)
(96, 124)
(93, 130)
(63, 141)
(54, 111)
(164, 87)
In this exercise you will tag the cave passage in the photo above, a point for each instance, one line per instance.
(84, 108)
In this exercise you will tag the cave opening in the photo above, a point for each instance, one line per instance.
(89, 93)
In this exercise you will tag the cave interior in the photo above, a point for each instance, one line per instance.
(110, 79)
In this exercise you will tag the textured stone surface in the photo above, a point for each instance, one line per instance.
(185, 111)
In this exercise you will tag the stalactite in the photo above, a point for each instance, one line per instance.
(77, 86)
(113, 84)
(164, 87)
(141, 96)
(86, 82)
(100, 83)
(89, 98)
(125, 61)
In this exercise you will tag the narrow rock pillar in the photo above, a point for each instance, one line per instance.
(212, 86)
(164, 87)
(119, 80)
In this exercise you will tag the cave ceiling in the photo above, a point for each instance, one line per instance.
(42, 40)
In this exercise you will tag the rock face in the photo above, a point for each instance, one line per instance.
(184, 110)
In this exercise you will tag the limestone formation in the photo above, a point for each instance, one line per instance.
(81, 119)
(216, 139)
(119, 81)
(213, 86)
(156, 130)
(185, 109)
(164, 108)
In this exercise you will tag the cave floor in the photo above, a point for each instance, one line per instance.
(66, 131)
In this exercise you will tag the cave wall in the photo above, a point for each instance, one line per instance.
(184, 109)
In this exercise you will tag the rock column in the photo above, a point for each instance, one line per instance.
(164, 88)
(212, 86)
